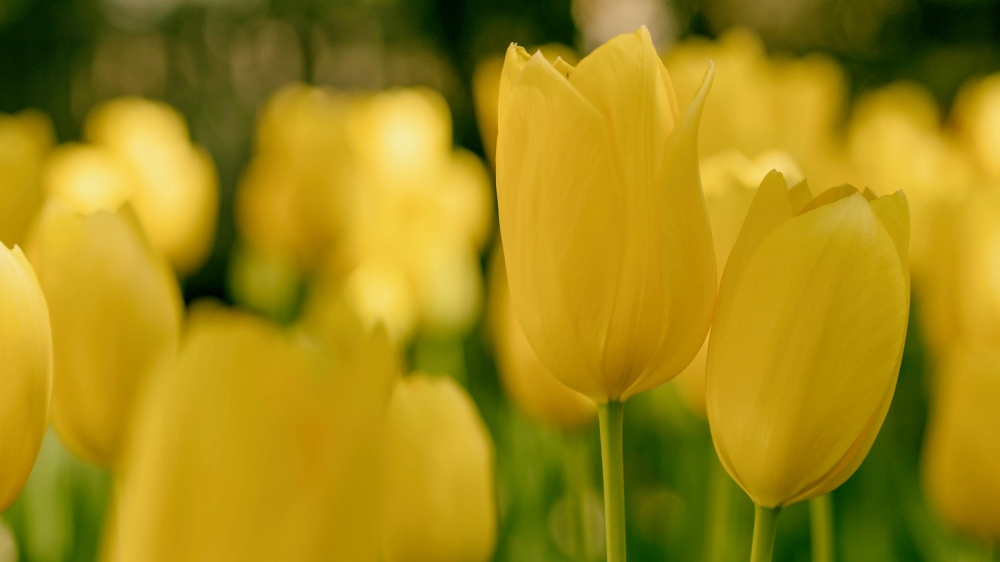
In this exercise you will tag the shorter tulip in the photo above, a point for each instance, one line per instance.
(25, 140)
(116, 310)
(807, 341)
(26, 381)
(962, 453)
(439, 499)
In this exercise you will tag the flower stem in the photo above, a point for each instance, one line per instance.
(765, 528)
(610, 417)
(720, 493)
(821, 522)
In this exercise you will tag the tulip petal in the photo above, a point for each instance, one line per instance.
(799, 196)
(682, 260)
(513, 62)
(799, 365)
(561, 222)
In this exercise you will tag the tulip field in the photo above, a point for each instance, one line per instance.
(432, 281)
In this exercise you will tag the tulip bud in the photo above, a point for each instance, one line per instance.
(962, 454)
(606, 238)
(115, 308)
(807, 338)
(261, 445)
(26, 381)
(25, 139)
(528, 383)
(439, 499)
(177, 193)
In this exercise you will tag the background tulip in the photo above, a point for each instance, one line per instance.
(25, 140)
(26, 381)
(262, 444)
(601, 211)
(439, 498)
(116, 310)
(962, 452)
(807, 338)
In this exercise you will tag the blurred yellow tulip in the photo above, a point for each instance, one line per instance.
(26, 384)
(606, 237)
(115, 307)
(962, 452)
(262, 444)
(807, 338)
(729, 180)
(977, 113)
(973, 290)
(525, 380)
(25, 139)
(439, 498)
(176, 193)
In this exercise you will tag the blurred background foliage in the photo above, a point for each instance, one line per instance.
(219, 61)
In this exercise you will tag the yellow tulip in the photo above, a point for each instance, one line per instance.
(438, 497)
(730, 181)
(528, 383)
(977, 113)
(807, 338)
(115, 307)
(972, 293)
(25, 139)
(26, 384)
(607, 242)
(177, 192)
(260, 445)
(962, 453)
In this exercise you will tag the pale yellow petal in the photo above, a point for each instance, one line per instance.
(514, 61)
(561, 222)
(803, 352)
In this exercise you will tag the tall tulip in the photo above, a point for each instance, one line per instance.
(25, 139)
(26, 381)
(115, 307)
(439, 498)
(807, 341)
(606, 237)
(962, 453)
(261, 444)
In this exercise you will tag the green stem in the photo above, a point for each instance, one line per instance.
(610, 417)
(765, 528)
(720, 493)
(575, 464)
(821, 522)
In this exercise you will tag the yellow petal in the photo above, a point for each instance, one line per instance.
(560, 218)
(805, 348)
(26, 375)
(513, 63)
(115, 307)
(800, 196)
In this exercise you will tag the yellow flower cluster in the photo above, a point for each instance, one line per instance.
(367, 194)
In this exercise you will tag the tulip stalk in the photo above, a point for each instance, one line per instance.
(765, 529)
(610, 417)
(821, 527)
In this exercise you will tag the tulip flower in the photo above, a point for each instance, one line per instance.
(177, 194)
(25, 140)
(526, 381)
(807, 341)
(261, 444)
(438, 496)
(115, 307)
(962, 452)
(26, 384)
(606, 238)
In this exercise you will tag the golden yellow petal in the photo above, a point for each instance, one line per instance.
(513, 62)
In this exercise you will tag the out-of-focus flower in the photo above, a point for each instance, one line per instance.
(114, 302)
(439, 497)
(729, 180)
(486, 91)
(262, 444)
(176, 195)
(974, 271)
(606, 238)
(977, 113)
(528, 383)
(962, 453)
(807, 338)
(25, 139)
(294, 198)
(268, 283)
(26, 384)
